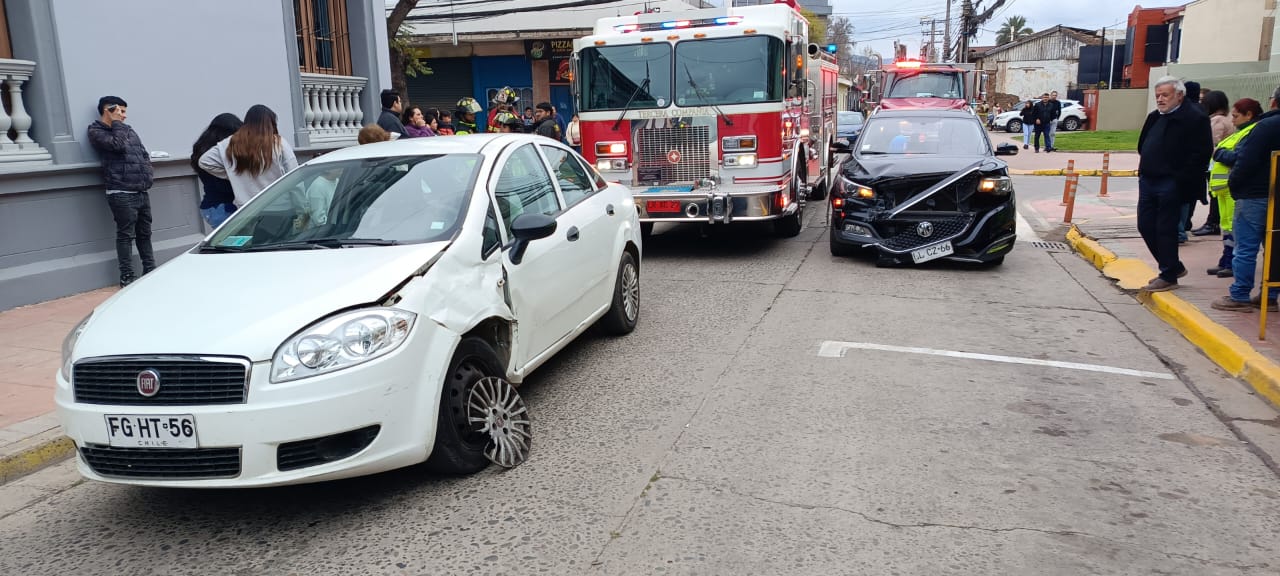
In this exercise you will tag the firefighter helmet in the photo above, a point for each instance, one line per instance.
(469, 104)
(506, 96)
(507, 119)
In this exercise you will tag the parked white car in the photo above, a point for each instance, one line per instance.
(1073, 117)
(373, 309)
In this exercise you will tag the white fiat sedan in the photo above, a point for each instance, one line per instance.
(375, 308)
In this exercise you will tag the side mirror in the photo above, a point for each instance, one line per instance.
(526, 229)
(1007, 149)
(840, 146)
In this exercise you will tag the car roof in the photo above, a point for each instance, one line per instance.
(468, 144)
(935, 113)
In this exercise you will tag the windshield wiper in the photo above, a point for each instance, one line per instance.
(643, 87)
(211, 249)
(698, 92)
(322, 243)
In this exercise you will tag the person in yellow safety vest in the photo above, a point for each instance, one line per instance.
(1244, 115)
(464, 121)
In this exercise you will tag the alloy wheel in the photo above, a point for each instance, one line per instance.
(496, 410)
(630, 292)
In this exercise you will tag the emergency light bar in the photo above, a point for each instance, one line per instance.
(672, 24)
(908, 64)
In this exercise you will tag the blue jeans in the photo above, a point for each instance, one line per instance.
(1026, 133)
(1050, 131)
(216, 215)
(1249, 228)
(1182, 223)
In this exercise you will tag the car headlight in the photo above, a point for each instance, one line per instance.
(341, 341)
(855, 190)
(999, 185)
(69, 346)
(739, 160)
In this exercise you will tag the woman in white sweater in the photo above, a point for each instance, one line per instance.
(253, 157)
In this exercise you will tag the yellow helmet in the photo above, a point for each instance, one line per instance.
(469, 104)
(506, 118)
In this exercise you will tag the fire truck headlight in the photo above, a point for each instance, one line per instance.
(614, 165)
(739, 160)
(739, 144)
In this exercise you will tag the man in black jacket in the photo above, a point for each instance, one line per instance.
(1043, 115)
(1249, 181)
(545, 122)
(1175, 145)
(389, 120)
(127, 172)
(1055, 113)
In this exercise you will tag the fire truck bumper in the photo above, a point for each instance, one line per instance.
(716, 206)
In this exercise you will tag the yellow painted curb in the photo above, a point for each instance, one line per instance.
(35, 457)
(1224, 347)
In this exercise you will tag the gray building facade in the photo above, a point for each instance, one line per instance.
(178, 64)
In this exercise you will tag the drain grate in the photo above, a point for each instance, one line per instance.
(1052, 246)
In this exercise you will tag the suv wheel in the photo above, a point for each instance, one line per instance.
(1071, 124)
(1014, 126)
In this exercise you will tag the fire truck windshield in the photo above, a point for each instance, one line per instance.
(610, 75)
(725, 71)
(926, 85)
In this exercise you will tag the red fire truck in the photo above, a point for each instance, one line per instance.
(711, 116)
(910, 83)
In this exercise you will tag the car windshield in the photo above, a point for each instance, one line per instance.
(611, 75)
(923, 135)
(374, 201)
(926, 85)
(848, 119)
(728, 71)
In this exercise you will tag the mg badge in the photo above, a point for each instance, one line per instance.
(673, 156)
(924, 229)
(148, 383)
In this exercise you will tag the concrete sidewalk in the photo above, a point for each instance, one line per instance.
(1104, 231)
(29, 360)
(1029, 163)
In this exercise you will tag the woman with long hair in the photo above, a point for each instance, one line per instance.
(253, 157)
(219, 200)
(415, 123)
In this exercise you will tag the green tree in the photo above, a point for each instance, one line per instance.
(1014, 28)
(403, 61)
(817, 27)
(840, 33)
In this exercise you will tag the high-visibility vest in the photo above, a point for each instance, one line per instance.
(1218, 171)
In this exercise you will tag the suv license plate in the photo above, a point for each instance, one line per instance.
(152, 431)
(932, 252)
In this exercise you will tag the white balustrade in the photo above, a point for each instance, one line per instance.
(332, 107)
(19, 148)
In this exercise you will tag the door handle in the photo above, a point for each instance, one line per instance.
(573, 233)
(609, 209)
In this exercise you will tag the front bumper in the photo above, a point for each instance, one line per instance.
(719, 205)
(397, 394)
(975, 236)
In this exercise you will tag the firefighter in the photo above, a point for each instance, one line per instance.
(504, 102)
(508, 122)
(464, 122)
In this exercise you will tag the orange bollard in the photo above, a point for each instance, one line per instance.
(1071, 170)
(1072, 180)
(1106, 171)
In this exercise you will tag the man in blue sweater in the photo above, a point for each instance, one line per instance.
(127, 173)
(1249, 181)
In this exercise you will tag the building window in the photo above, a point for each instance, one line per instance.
(323, 39)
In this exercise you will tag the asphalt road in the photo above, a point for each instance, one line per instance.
(778, 411)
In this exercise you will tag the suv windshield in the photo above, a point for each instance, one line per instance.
(728, 71)
(848, 119)
(394, 200)
(609, 75)
(926, 85)
(923, 135)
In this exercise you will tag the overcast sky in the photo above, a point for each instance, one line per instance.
(877, 26)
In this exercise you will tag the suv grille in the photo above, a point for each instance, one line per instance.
(183, 381)
(183, 463)
(655, 147)
(901, 235)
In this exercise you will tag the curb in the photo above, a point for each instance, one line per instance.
(32, 454)
(1061, 171)
(1221, 345)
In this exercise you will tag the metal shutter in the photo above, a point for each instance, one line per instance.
(449, 82)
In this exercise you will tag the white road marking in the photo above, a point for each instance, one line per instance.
(833, 349)
(1024, 230)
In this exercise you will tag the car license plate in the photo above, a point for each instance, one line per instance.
(152, 431)
(932, 252)
(663, 206)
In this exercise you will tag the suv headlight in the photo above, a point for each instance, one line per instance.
(341, 341)
(999, 185)
(69, 346)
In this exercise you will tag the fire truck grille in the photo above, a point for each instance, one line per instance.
(668, 155)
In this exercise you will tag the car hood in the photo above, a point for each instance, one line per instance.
(243, 304)
(873, 168)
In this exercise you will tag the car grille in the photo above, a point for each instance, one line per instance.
(902, 235)
(182, 381)
(952, 198)
(315, 451)
(181, 463)
(654, 149)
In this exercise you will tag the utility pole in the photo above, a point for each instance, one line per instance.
(968, 28)
(929, 40)
(946, 35)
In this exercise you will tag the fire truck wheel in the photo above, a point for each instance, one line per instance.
(819, 191)
(789, 226)
(646, 229)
